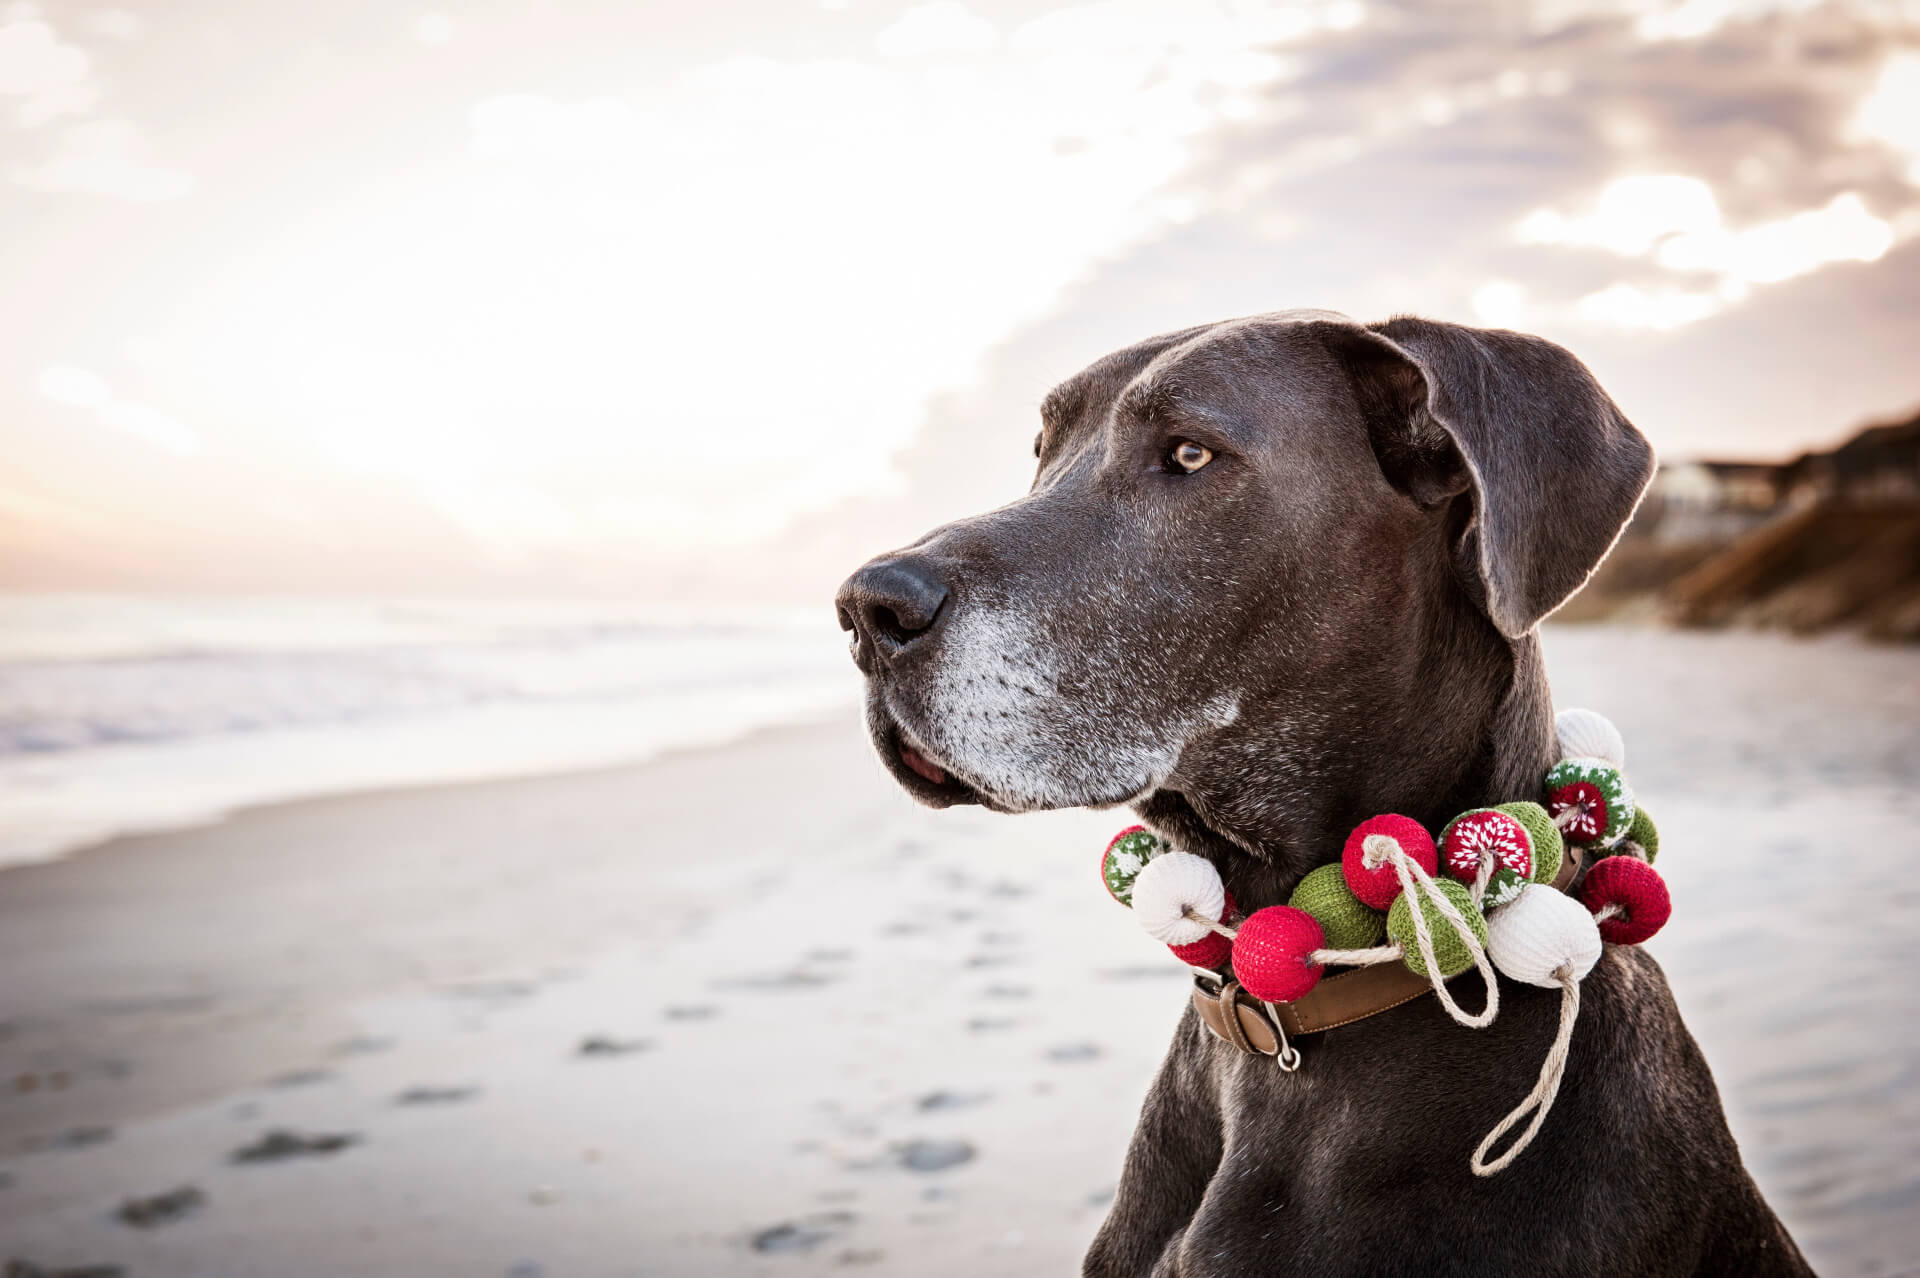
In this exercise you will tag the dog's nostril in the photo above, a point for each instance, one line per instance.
(845, 618)
(887, 622)
(889, 604)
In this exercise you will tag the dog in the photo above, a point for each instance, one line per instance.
(1274, 576)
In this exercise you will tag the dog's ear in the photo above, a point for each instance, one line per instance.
(1520, 428)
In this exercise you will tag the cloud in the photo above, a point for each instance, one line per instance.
(105, 157)
(1386, 171)
(779, 258)
(1632, 306)
(942, 27)
(433, 29)
(51, 78)
(86, 391)
(1630, 217)
(1891, 113)
(115, 24)
(48, 76)
(1675, 222)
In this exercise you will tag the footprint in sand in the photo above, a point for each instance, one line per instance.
(940, 1101)
(280, 1145)
(692, 1012)
(802, 1235)
(300, 1078)
(932, 1155)
(990, 1024)
(1074, 1053)
(603, 1046)
(158, 1209)
(436, 1095)
(362, 1045)
(27, 1269)
(76, 1138)
(777, 982)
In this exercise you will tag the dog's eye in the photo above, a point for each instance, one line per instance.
(1189, 456)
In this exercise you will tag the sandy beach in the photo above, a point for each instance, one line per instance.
(747, 1010)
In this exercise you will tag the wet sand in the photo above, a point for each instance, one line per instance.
(749, 1011)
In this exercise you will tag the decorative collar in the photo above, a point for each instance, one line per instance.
(1403, 913)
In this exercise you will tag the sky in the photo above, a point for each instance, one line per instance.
(713, 300)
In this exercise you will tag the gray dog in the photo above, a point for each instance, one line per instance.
(1275, 576)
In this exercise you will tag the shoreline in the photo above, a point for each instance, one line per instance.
(747, 1009)
(126, 886)
(534, 773)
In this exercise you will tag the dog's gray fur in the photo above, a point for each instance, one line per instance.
(1332, 619)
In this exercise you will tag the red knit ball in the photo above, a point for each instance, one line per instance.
(1637, 889)
(1211, 950)
(1270, 954)
(1378, 885)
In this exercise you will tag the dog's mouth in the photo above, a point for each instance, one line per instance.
(914, 766)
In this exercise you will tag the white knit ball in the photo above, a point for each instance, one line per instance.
(1172, 884)
(1538, 932)
(1588, 734)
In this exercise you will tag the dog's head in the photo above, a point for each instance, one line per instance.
(1236, 520)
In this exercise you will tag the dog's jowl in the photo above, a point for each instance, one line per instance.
(1276, 576)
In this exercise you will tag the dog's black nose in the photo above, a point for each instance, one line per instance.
(890, 605)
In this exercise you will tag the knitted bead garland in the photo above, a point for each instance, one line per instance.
(1171, 886)
(1345, 919)
(1449, 951)
(1635, 889)
(1486, 832)
(1368, 872)
(1523, 927)
(1126, 856)
(1596, 794)
(1271, 954)
(1540, 932)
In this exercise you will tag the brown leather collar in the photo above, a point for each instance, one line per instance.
(1240, 1019)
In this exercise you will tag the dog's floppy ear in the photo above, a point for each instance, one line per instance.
(1552, 468)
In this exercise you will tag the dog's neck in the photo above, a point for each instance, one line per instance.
(1431, 736)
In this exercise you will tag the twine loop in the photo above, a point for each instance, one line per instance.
(1540, 1099)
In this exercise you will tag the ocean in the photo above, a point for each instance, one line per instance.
(123, 714)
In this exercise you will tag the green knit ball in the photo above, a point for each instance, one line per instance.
(1448, 949)
(1347, 922)
(1643, 833)
(1549, 849)
(1126, 856)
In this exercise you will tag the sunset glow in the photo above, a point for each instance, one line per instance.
(631, 304)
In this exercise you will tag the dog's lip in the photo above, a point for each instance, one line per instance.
(933, 772)
(919, 769)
